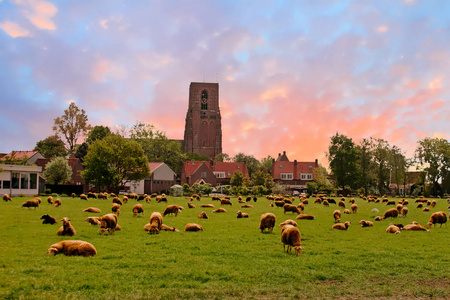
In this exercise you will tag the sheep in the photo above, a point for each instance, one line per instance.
(153, 195)
(301, 206)
(203, 215)
(67, 228)
(414, 227)
(439, 217)
(267, 221)
(161, 198)
(124, 199)
(365, 223)
(72, 248)
(103, 196)
(31, 203)
(207, 205)
(148, 199)
(108, 223)
(190, 205)
(425, 209)
(420, 205)
(213, 198)
(393, 229)
(92, 195)
(168, 228)
(240, 215)
(378, 218)
(341, 204)
(433, 203)
(326, 203)
(117, 200)
(172, 209)
(193, 227)
(246, 206)
(291, 237)
(305, 217)
(92, 210)
(57, 203)
(220, 210)
(225, 202)
(248, 199)
(354, 208)
(330, 201)
(390, 213)
(48, 219)
(292, 208)
(347, 211)
(404, 211)
(390, 202)
(137, 210)
(50, 200)
(93, 220)
(399, 208)
(6, 198)
(83, 197)
(351, 200)
(115, 208)
(288, 222)
(156, 221)
(279, 203)
(337, 216)
(73, 195)
(341, 226)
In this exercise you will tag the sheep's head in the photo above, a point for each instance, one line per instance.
(65, 221)
(153, 230)
(298, 250)
(52, 251)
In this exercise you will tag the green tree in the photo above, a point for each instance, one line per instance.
(269, 182)
(98, 133)
(113, 161)
(259, 177)
(381, 157)
(267, 163)
(247, 182)
(249, 160)
(364, 164)
(72, 125)
(222, 157)
(58, 171)
(51, 147)
(397, 166)
(196, 157)
(237, 179)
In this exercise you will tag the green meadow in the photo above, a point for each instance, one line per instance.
(230, 259)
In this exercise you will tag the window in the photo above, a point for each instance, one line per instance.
(203, 174)
(219, 174)
(6, 184)
(15, 180)
(33, 181)
(24, 181)
(204, 101)
(306, 176)
(281, 166)
(286, 176)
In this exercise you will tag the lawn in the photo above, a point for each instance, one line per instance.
(231, 258)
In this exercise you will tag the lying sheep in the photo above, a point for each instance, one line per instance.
(138, 209)
(207, 205)
(425, 209)
(156, 221)
(203, 215)
(67, 229)
(337, 216)
(193, 227)
(6, 198)
(365, 223)
(288, 222)
(57, 203)
(393, 229)
(414, 227)
(172, 210)
(220, 210)
(108, 223)
(48, 219)
(225, 202)
(240, 215)
(291, 237)
(190, 205)
(267, 221)
(168, 228)
(439, 217)
(390, 213)
(247, 206)
(92, 210)
(292, 208)
(31, 203)
(341, 226)
(305, 217)
(378, 218)
(93, 220)
(72, 248)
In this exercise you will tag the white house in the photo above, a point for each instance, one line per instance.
(162, 177)
(19, 180)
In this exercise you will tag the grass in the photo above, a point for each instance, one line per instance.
(230, 259)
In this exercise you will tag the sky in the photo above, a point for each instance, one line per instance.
(291, 74)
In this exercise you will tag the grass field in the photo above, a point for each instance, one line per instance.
(231, 258)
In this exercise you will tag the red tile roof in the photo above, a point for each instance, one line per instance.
(22, 154)
(227, 167)
(154, 165)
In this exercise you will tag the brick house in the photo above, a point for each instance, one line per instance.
(162, 177)
(211, 172)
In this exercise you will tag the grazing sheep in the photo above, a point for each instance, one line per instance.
(341, 204)
(390, 202)
(267, 221)
(161, 198)
(439, 217)
(93, 220)
(248, 199)
(73, 195)
(125, 199)
(390, 213)
(425, 209)
(48, 219)
(31, 203)
(72, 248)
(378, 218)
(193, 227)
(190, 205)
(393, 229)
(108, 223)
(148, 199)
(66, 229)
(172, 209)
(103, 196)
(6, 198)
(365, 223)
(337, 216)
(292, 208)
(117, 200)
(288, 222)
(404, 211)
(420, 205)
(207, 205)
(83, 197)
(213, 198)
(220, 210)
(50, 200)
(92, 210)
(351, 200)
(301, 206)
(240, 214)
(326, 203)
(354, 208)
(433, 203)
(399, 208)
(137, 210)
(168, 228)
(305, 217)
(57, 203)
(347, 211)
(203, 215)
(291, 237)
(225, 202)
(156, 221)
(279, 203)
(341, 226)
(92, 195)
(115, 208)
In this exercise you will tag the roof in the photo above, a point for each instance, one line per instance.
(154, 165)
(22, 154)
(227, 167)
(280, 167)
(282, 157)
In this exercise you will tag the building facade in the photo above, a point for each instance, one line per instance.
(203, 129)
(19, 180)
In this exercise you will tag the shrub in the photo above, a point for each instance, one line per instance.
(48, 191)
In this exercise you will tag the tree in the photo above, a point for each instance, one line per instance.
(247, 182)
(397, 165)
(114, 161)
(51, 147)
(72, 125)
(58, 171)
(222, 157)
(267, 163)
(364, 164)
(269, 182)
(249, 160)
(342, 156)
(259, 177)
(381, 157)
(98, 133)
(237, 179)
(196, 157)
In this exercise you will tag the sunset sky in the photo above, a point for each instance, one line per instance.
(291, 73)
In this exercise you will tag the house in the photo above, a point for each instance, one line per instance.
(19, 180)
(293, 173)
(212, 172)
(30, 156)
(408, 183)
(162, 177)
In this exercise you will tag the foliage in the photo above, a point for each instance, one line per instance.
(259, 190)
(58, 171)
(72, 124)
(113, 161)
(269, 182)
(187, 190)
(342, 156)
(364, 164)
(98, 133)
(196, 157)
(259, 177)
(222, 157)
(249, 160)
(237, 179)
(381, 158)
(279, 188)
(267, 163)
(51, 147)
(81, 150)
(247, 182)
(398, 165)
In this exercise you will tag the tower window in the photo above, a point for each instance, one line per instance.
(204, 100)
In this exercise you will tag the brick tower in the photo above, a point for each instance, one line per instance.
(203, 130)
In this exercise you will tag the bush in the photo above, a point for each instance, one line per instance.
(48, 191)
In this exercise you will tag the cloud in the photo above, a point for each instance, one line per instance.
(14, 30)
(39, 13)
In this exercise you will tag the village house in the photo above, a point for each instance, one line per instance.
(19, 180)
(162, 177)
(212, 172)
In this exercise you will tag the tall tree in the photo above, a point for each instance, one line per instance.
(259, 177)
(58, 171)
(381, 157)
(267, 163)
(222, 157)
(72, 124)
(397, 164)
(249, 160)
(364, 164)
(97, 133)
(113, 161)
(51, 147)
(237, 179)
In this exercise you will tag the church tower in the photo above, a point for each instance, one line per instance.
(203, 130)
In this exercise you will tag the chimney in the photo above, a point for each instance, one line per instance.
(317, 162)
(279, 154)
(295, 163)
(284, 152)
(211, 163)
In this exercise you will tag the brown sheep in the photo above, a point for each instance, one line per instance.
(240, 214)
(190, 205)
(207, 205)
(117, 200)
(341, 204)
(390, 202)
(414, 227)
(108, 223)
(50, 200)
(168, 228)
(220, 210)
(156, 221)
(288, 222)
(305, 217)
(138, 209)
(326, 203)
(420, 205)
(83, 197)
(341, 226)
(72, 248)
(93, 220)
(115, 208)
(267, 221)
(390, 213)
(354, 208)
(125, 199)
(399, 208)
(351, 200)
(92, 210)
(347, 211)
(73, 195)
(291, 237)
(203, 215)
(225, 202)
(66, 229)
(279, 203)
(6, 198)
(48, 219)
(433, 203)
(31, 203)
(337, 216)
(292, 208)
(57, 203)
(301, 206)
(247, 206)
(378, 218)
(393, 229)
(425, 209)
(365, 223)
(404, 211)
(439, 217)
(193, 227)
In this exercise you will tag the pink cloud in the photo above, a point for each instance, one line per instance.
(14, 30)
(39, 13)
